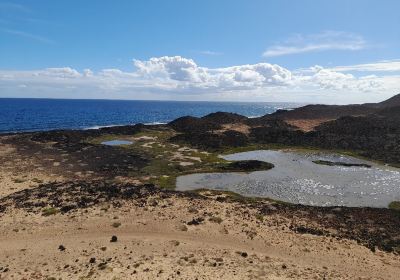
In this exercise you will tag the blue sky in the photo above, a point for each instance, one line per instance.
(203, 50)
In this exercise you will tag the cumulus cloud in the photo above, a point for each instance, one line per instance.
(175, 68)
(320, 78)
(328, 40)
(178, 78)
(185, 70)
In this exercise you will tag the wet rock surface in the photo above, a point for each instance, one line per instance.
(248, 165)
(339, 163)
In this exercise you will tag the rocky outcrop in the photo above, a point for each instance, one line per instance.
(391, 102)
(339, 163)
(224, 118)
(248, 166)
(373, 136)
(212, 141)
(330, 112)
(190, 124)
(74, 136)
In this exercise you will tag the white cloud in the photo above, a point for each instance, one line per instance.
(381, 66)
(28, 36)
(175, 68)
(182, 78)
(186, 71)
(207, 52)
(328, 79)
(328, 40)
(61, 73)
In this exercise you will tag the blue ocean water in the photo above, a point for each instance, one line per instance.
(19, 115)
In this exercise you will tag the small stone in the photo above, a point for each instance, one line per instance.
(92, 260)
(175, 242)
(61, 248)
(114, 238)
(183, 228)
(102, 266)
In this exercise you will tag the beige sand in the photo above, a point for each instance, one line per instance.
(154, 242)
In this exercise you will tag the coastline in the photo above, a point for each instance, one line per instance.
(64, 195)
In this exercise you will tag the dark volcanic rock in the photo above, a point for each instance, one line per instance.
(304, 230)
(77, 155)
(210, 122)
(192, 125)
(212, 141)
(248, 165)
(323, 112)
(338, 163)
(80, 194)
(75, 136)
(391, 102)
(374, 136)
(371, 227)
(224, 118)
(196, 221)
(276, 134)
(234, 138)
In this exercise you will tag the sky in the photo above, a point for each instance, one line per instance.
(342, 51)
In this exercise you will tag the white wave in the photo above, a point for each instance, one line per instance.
(155, 123)
(100, 126)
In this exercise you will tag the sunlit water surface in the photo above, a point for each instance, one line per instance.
(297, 179)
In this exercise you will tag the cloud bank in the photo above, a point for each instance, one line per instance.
(176, 77)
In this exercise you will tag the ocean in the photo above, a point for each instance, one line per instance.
(25, 114)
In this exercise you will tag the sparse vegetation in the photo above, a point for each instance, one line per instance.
(50, 211)
(166, 160)
(36, 180)
(214, 219)
(116, 224)
(18, 180)
(260, 217)
(394, 205)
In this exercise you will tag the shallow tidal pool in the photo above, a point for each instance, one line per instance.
(116, 142)
(297, 179)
